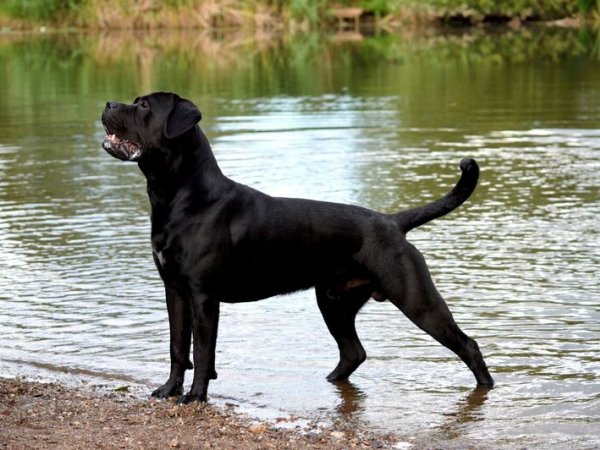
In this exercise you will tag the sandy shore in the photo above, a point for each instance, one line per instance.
(48, 415)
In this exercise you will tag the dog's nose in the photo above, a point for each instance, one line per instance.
(111, 105)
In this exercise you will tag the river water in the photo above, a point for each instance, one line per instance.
(381, 122)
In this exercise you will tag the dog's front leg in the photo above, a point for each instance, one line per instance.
(205, 322)
(180, 330)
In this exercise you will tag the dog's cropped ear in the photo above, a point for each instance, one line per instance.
(182, 117)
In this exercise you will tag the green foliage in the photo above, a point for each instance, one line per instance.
(40, 10)
(380, 7)
(311, 10)
(543, 9)
(177, 3)
(589, 6)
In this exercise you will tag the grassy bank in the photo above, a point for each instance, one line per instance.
(276, 14)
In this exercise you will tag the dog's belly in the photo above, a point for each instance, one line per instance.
(251, 276)
(247, 290)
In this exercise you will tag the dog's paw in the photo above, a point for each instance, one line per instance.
(191, 397)
(485, 383)
(169, 389)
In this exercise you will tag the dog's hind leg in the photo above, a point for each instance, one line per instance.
(413, 292)
(339, 314)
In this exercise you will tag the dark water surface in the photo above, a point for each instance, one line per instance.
(381, 122)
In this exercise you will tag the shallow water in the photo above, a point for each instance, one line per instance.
(381, 123)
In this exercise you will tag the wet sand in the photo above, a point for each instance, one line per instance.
(49, 415)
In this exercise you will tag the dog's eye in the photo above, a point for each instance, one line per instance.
(143, 104)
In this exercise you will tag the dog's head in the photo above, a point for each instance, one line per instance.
(133, 130)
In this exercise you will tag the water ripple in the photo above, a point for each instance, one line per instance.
(518, 266)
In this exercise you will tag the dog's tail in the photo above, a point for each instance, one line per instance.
(412, 218)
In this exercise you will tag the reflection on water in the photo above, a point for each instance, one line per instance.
(352, 398)
(382, 123)
(469, 410)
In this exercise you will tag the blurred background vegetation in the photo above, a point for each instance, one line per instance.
(281, 13)
(132, 61)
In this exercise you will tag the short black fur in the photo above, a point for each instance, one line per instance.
(215, 240)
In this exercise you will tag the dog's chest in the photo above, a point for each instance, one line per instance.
(160, 251)
(160, 258)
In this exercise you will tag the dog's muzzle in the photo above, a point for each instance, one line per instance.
(116, 146)
(121, 148)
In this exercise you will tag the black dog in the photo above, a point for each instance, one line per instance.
(214, 241)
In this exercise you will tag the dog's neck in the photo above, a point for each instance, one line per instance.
(187, 165)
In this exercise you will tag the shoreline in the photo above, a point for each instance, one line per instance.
(49, 415)
(271, 21)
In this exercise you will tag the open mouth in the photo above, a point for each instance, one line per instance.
(121, 148)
